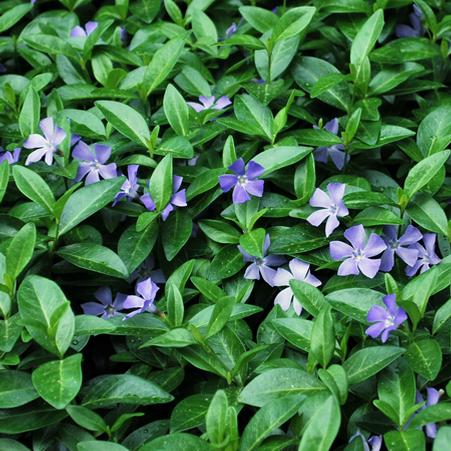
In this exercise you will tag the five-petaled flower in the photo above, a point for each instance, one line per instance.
(432, 398)
(299, 271)
(262, 266)
(129, 189)
(143, 300)
(426, 255)
(178, 199)
(92, 162)
(335, 152)
(415, 29)
(46, 145)
(386, 319)
(398, 246)
(357, 257)
(210, 102)
(331, 204)
(80, 32)
(106, 307)
(10, 157)
(245, 182)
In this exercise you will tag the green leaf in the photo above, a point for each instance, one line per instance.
(99, 445)
(27, 419)
(13, 15)
(253, 242)
(322, 341)
(46, 314)
(309, 296)
(290, 381)
(226, 263)
(305, 179)
(322, 428)
(85, 123)
(425, 357)
(428, 213)
(174, 338)
(16, 389)
(442, 316)
(30, 112)
(293, 22)
(91, 325)
(259, 18)
(86, 201)
(4, 178)
(434, 131)
(405, 441)
(355, 302)
(369, 361)
(406, 49)
(267, 419)
(87, 418)
(33, 186)
(59, 381)
(442, 439)
(126, 120)
(162, 64)
(134, 247)
(20, 250)
(216, 419)
(94, 257)
(277, 158)
(175, 306)
(109, 390)
(220, 231)
(221, 314)
(176, 110)
(160, 185)
(423, 172)
(189, 413)
(176, 442)
(176, 233)
(373, 216)
(296, 331)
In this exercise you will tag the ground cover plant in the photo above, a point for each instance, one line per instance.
(224, 225)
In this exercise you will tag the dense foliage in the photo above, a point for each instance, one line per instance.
(224, 225)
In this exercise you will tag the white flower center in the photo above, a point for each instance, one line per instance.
(242, 180)
(390, 321)
(358, 255)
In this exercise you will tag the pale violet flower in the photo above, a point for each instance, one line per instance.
(80, 32)
(426, 255)
(299, 270)
(106, 307)
(10, 157)
(129, 189)
(335, 152)
(210, 102)
(143, 300)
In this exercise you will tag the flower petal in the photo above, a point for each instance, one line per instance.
(254, 170)
(284, 299)
(238, 167)
(82, 152)
(369, 267)
(339, 250)
(239, 195)
(356, 236)
(255, 187)
(35, 141)
(317, 217)
(348, 268)
(320, 199)
(227, 182)
(102, 152)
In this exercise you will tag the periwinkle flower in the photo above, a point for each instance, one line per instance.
(399, 247)
(299, 271)
(80, 32)
(210, 102)
(245, 182)
(415, 29)
(92, 162)
(262, 266)
(357, 257)
(178, 199)
(426, 255)
(143, 300)
(432, 398)
(231, 30)
(374, 443)
(46, 145)
(129, 189)
(386, 319)
(331, 204)
(106, 307)
(10, 157)
(336, 152)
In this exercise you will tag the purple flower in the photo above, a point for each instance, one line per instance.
(262, 265)
(331, 204)
(45, 145)
(385, 319)
(147, 269)
(92, 164)
(245, 182)
(80, 32)
(129, 189)
(106, 307)
(11, 158)
(375, 441)
(178, 199)
(426, 255)
(399, 246)
(210, 102)
(415, 29)
(143, 300)
(432, 398)
(231, 30)
(357, 256)
(258, 81)
(299, 271)
(335, 152)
